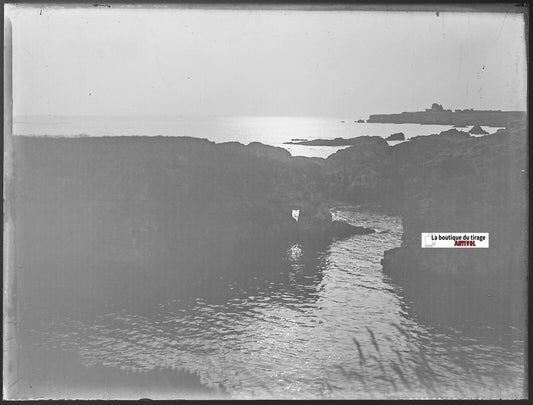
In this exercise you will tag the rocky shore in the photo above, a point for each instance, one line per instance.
(459, 182)
(110, 207)
(464, 184)
(95, 213)
(449, 182)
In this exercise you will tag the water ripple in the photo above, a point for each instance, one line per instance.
(340, 330)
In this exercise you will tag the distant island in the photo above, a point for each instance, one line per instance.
(437, 115)
(324, 142)
(339, 141)
(398, 136)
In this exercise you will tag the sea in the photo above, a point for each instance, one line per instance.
(273, 131)
(317, 322)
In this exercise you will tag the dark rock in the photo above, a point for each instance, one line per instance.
(314, 220)
(359, 173)
(454, 133)
(458, 183)
(448, 135)
(99, 212)
(272, 152)
(327, 142)
(398, 136)
(477, 130)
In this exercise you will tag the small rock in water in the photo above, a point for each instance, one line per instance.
(477, 130)
(399, 136)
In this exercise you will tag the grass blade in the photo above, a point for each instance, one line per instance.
(373, 338)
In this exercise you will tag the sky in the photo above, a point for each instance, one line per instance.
(201, 62)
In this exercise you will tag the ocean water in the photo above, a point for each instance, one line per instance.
(319, 321)
(268, 130)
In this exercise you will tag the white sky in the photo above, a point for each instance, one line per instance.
(263, 62)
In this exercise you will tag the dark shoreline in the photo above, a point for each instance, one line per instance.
(448, 117)
(327, 142)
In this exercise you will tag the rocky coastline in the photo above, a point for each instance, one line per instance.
(464, 184)
(120, 202)
(398, 136)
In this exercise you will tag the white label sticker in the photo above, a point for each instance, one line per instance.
(459, 240)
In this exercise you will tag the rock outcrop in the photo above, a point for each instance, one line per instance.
(316, 222)
(477, 130)
(463, 184)
(94, 213)
(447, 182)
(452, 134)
(398, 136)
(359, 173)
(457, 183)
